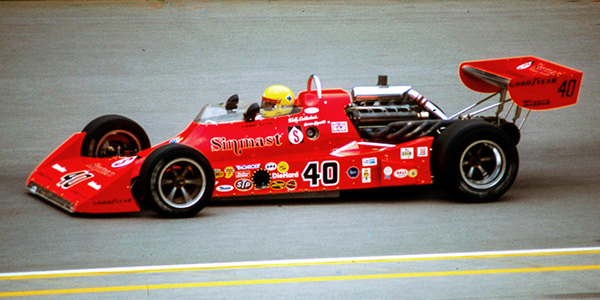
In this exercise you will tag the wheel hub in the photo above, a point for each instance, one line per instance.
(475, 161)
(180, 182)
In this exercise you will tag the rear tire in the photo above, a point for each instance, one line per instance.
(176, 181)
(475, 161)
(113, 135)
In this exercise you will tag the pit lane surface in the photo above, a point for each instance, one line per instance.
(64, 63)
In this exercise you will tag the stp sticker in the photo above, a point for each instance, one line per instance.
(243, 185)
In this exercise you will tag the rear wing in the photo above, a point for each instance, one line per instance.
(532, 83)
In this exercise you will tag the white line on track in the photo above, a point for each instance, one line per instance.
(297, 262)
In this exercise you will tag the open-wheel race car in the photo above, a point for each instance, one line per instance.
(325, 141)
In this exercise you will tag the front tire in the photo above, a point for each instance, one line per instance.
(113, 135)
(176, 181)
(475, 161)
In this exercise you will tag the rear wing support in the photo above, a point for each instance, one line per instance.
(499, 106)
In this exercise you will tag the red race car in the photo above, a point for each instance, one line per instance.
(316, 144)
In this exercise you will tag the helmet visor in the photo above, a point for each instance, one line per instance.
(268, 104)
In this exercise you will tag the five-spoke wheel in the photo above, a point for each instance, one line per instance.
(475, 161)
(176, 180)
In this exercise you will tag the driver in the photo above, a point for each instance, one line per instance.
(276, 101)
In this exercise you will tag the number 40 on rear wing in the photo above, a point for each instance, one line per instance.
(532, 83)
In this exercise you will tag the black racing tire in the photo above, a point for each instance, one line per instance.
(512, 130)
(176, 181)
(475, 161)
(113, 135)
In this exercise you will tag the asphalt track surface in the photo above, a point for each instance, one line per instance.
(64, 63)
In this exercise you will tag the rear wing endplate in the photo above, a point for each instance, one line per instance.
(532, 83)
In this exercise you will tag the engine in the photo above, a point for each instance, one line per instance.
(393, 113)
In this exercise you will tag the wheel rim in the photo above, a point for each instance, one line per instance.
(118, 143)
(181, 183)
(482, 164)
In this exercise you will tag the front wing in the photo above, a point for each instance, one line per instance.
(84, 184)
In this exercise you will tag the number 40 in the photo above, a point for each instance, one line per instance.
(327, 174)
(567, 88)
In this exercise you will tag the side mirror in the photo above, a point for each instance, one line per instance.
(232, 102)
(251, 112)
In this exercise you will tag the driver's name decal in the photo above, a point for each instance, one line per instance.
(238, 145)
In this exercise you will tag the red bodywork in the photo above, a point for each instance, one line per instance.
(313, 150)
(263, 157)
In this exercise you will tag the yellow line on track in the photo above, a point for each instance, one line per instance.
(292, 280)
(283, 263)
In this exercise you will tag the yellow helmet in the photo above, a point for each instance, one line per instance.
(276, 101)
